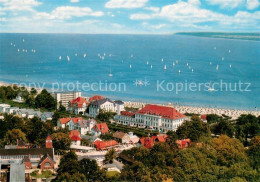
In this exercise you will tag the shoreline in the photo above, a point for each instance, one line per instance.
(233, 113)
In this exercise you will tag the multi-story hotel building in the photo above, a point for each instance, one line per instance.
(65, 97)
(155, 117)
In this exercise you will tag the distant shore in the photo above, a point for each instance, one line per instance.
(233, 113)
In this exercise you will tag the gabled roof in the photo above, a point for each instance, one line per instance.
(161, 138)
(105, 144)
(126, 113)
(163, 111)
(100, 102)
(79, 102)
(101, 127)
(48, 114)
(96, 97)
(147, 142)
(119, 134)
(203, 116)
(183, 143)
(64, 120)
(76, 120)
(46, 156)
(119, 102)
(74, 133)
(75, 138)
(48, 137)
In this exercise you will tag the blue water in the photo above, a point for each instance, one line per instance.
(44, 66)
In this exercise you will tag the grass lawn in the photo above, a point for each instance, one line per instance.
(111, 173)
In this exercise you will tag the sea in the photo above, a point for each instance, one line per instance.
(176, 69)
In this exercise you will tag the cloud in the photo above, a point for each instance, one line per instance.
(252, 4)
(74, 1)
(226, 3)
(126, 4)
(18, 5)
(67, 12)
(158, 26)
(154, 9)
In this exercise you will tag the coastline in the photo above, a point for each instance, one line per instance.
(233, 113)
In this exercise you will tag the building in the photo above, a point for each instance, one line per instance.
(155, 117)
(105, 145)
(122, 137)
(106, 105)
(19, 98)
(85, 126)
(41, 158)
(99, 129)
(65, 97)
(71, 123)
(12, 110)
(3, 107)
(149, 142)
(96, 97)
(183, 143)
(46, 116)
(78, 105)
(133, 138)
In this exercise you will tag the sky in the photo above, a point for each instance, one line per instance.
(129, 16)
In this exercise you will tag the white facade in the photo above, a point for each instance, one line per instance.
(3, 108)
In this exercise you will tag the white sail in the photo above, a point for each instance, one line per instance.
(176, 61)
(18, 50)
(223, 58)
(179, 71)
(147, 62)
(85, 55)
(151, 66)
(162, 59)
(217, 67)
(165, 67)
(192, 70)
(60, 58)
(230, 65)
(68, 58)
(130, 66)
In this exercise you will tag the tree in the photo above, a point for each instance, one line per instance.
(254, 152)
(45, 100)
(229, 151)
(30, 101)
(106, 136)
(110, 156)
(13, 135)
(33, 91)
(194, 129)
(61, 142)
(223, 127)
(91, 170)
(85, 142)
(105, 116)
(247, 126)
(61, 107)
(136, 172)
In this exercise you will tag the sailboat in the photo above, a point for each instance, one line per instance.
(84, 55)
(217, 68)
(68, 58)
(34, 51)
(98, 54)
(192, 70)
(132, 55)
(187, 64)
(215, 48)
(110, 55)
(76, 54)
(23, 40)
(229, 51)
(110, 74)
(147, 62)
(211, 89)
(179, 71)
(151, 66)
(162, 59)
(11, 43)
(230, 66)
(210, 63)
(25, 50)
(14, 45)
(222, 58)
(60, 58)
(165, 68)
(173, 64)
(18, 50)
(176, 61)
(130, 66)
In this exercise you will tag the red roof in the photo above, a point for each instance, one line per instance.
(203, 116)
(96, 97)
(163, 111)
(48, 137)
(79, 101)
(74, 133)
(76, 120)
(105, 144)
(64, 120)
(161, 138)
(147, 142)
(102, 127)
(125, 113)
(183, 143)
(75, 138)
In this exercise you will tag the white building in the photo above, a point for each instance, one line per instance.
(78, 105)
(85, 126)
(154, 117)
(3, 108)
(65, 97)
(12, 110)
(106, 105)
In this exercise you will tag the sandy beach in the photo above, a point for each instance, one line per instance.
(233, 113)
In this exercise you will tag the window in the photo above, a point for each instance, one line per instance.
(47, 165)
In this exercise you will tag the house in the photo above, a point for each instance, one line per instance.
(30, 113)
(183, 143)
(119, 106)
(155, 117)
(46, 116)
(91, 138)
(133, 138)
(105, 145)
(122, 137)
(41, 158)
(96, 97)
(99, 129)
(204, 117)
(149, 142)
(71, 123)
(78, 105)
(85, 126)
(75, 137)
(19, 98)
(12, 110)
(3, 107)
(22, 113)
